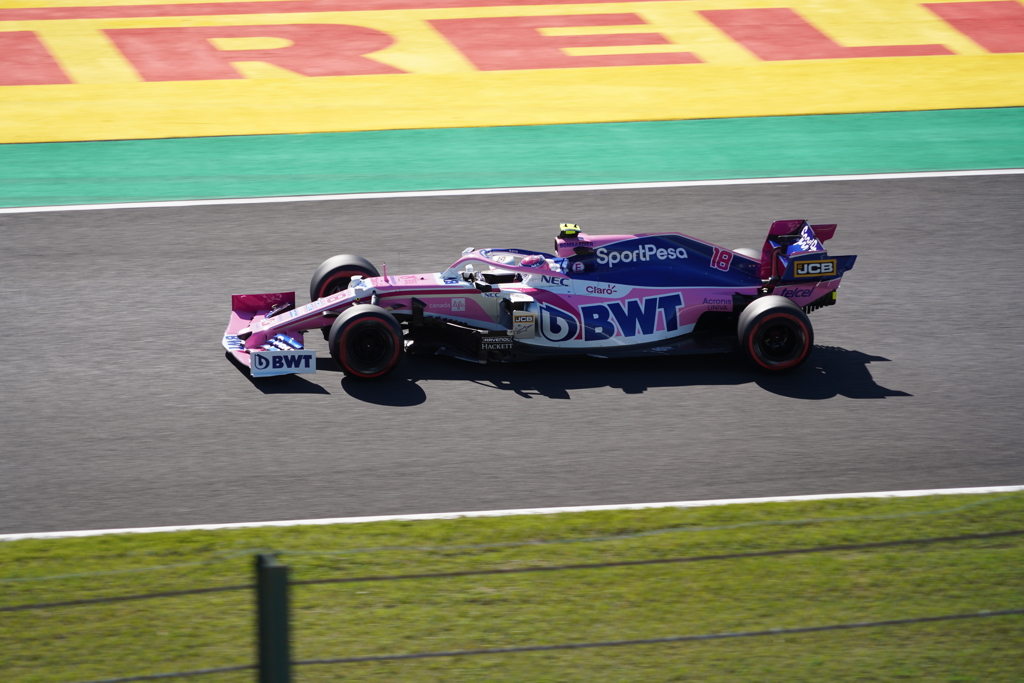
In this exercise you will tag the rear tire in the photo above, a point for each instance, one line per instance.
(775, 335)
(366, 342)
(335, 273)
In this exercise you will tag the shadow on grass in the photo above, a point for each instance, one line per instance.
(830, 371)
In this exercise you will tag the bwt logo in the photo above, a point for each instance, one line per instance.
(296, 361)
(645, 252)
(815, 268)
(557, 325)
(635, 317)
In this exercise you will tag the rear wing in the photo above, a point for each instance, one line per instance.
(794, 251)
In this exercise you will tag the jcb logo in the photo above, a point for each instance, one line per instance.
(524, 325)
(815, 268)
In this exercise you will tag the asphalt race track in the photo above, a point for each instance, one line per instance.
(120, 409)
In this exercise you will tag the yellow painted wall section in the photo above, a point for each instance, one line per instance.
(111, 92)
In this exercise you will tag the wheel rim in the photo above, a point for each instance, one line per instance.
(778, 342)
(336, 285)
(370, 346)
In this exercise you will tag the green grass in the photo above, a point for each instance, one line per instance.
(342, 620)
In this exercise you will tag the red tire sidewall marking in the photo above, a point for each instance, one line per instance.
(759, 325)
(354, 325)
(340, 274)
(334, 276)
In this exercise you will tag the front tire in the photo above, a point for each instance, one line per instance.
(366, 342)
(335, 273)
(775, 335)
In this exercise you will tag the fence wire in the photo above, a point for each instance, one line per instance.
(656, 641)
(525, 570)
(227, 555)
(667, 560)
(581, 646)
(176, 674)
(645, 534)
(126, 598)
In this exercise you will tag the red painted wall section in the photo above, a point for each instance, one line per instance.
(996, 26)
(779, 34)
(185, 54)
(506, 43)
(24, 60)
(264, 7)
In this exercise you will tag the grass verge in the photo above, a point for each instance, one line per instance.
(91, 642)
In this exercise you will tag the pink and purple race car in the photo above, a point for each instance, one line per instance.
(598, 295)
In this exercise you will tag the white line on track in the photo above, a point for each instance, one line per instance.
(513, 190)
(506, 513)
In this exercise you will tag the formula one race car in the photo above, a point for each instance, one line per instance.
(604, 296)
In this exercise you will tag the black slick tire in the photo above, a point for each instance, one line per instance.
(335, 273)
(775, 335)
(366, 342)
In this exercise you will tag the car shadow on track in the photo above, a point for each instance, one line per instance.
(831, 371)
(286, 384)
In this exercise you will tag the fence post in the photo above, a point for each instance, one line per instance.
(272, 620)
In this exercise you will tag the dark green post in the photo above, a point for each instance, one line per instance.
(272, 620)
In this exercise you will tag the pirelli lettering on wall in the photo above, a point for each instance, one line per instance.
(206, 43)
(815, 268)
(114, 69)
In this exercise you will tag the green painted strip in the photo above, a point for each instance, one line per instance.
(459, 158)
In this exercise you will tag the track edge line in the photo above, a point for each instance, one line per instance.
(508, 190)
(507, 513)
